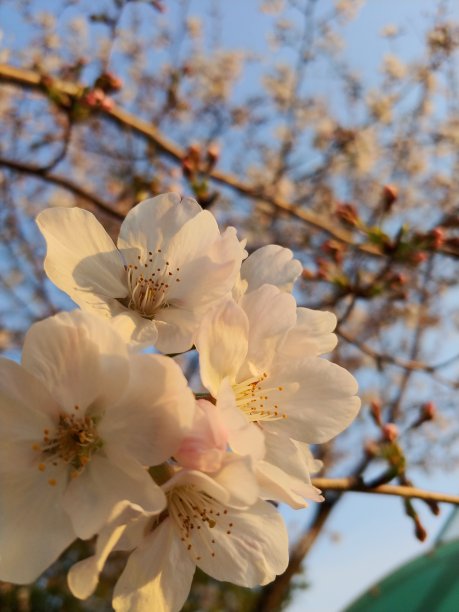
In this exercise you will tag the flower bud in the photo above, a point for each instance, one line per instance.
(347, 213)
(437, 236)
(389, 196)
(418, 257)
(390, 432)
(375, 411)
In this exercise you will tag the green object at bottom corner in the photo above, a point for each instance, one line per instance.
(429, 583)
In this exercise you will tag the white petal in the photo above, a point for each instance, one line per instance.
(152, 223)
(208, 269)
(26, 407)
(78, 357)
(270, 313)
(91, 497)
(317, 398)
(275, 484)
(176, 328)
(312, 334)
(249, 547)
(237, 477)
(84, 575)
(34, 529)
(81, 258)
(271, 264)
(150, 420)
(290, 455)
(157, 576)
(222, 344)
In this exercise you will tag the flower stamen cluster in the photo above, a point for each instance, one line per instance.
(73, 442)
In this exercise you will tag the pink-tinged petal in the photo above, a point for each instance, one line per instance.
(78, 357)
(222, 344)
(275, 484)
(273, 265)
(26, 407)
(150, 420)
(81, 258)
(204, 447)
(91, 496)
(157, 576)
(84, 575)
(311, 335)
(271, 313)
(34, 529)
(316, 396)
(151, 224)
(248, 548)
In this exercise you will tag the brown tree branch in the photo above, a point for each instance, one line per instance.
(61, 181)
(355, 485)
(34, 80)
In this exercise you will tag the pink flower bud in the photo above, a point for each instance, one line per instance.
(390, 432)
(438, 237)
(389, 196)
(419, 257)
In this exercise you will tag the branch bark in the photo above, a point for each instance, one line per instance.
(34, 80)
(355, 485)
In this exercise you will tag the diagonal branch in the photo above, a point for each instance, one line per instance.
(61, 181)
(34, 80)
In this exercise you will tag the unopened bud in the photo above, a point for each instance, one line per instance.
(187, 168)
(418, 257)
(347, 213)
(419, 530)
(438, 237)
(398, 279)
(107, 104)
(389, 196)
(375, 411)
(194, 153)
(390, 432)
(213, 154)
(427, 413)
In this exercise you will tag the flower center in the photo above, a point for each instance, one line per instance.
(196, 513)
(73, 442)
(148, 283)
(257, 400)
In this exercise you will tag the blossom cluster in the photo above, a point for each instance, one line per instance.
(101, 434)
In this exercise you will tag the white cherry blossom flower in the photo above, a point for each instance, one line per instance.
(268, 351)
(213, 520)
(80, 420)
(171, 264)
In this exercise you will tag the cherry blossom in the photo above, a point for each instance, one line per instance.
(213, 520)
(268, 351)
(80, 420)
(170, 266)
